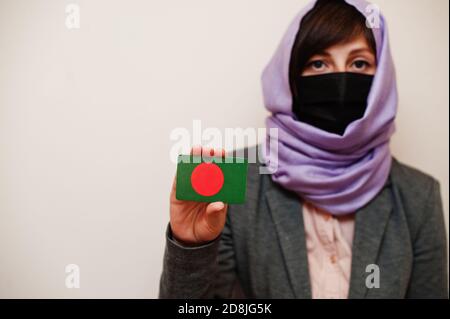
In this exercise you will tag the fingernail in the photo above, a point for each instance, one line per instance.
(220, 205)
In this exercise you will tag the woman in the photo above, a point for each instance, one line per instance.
(339, 217)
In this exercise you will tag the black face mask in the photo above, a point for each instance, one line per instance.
(331, 101)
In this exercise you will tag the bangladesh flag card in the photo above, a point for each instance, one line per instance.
(211, 179)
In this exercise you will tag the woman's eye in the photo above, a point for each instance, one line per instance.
(317, 64)
(360, 64)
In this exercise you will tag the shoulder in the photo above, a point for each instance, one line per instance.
(412, 183)
(417, 192)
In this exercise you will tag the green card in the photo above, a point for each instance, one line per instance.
(211, 179)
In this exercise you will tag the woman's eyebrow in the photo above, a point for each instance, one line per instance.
(361, 50)
(322, 53)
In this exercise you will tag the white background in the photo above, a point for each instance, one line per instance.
(85, 119)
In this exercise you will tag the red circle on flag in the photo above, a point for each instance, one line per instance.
(207, 179)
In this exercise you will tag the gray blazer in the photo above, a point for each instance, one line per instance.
(262, 252)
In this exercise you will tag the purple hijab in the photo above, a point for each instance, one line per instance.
(337, 173)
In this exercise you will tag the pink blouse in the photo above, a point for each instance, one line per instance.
(329, 245)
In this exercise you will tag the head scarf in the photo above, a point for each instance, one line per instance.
(339, 174)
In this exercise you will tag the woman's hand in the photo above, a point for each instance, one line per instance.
(196, 223)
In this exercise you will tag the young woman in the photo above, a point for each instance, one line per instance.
(340, 217)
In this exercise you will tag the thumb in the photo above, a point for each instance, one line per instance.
(216, 214)
(214, 207)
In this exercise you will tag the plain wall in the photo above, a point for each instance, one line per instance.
(86, 115)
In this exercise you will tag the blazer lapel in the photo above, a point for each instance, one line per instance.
(286, 210)
(370, 224)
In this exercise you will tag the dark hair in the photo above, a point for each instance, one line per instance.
(330, 22)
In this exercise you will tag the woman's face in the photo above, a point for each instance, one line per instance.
(354, 56)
